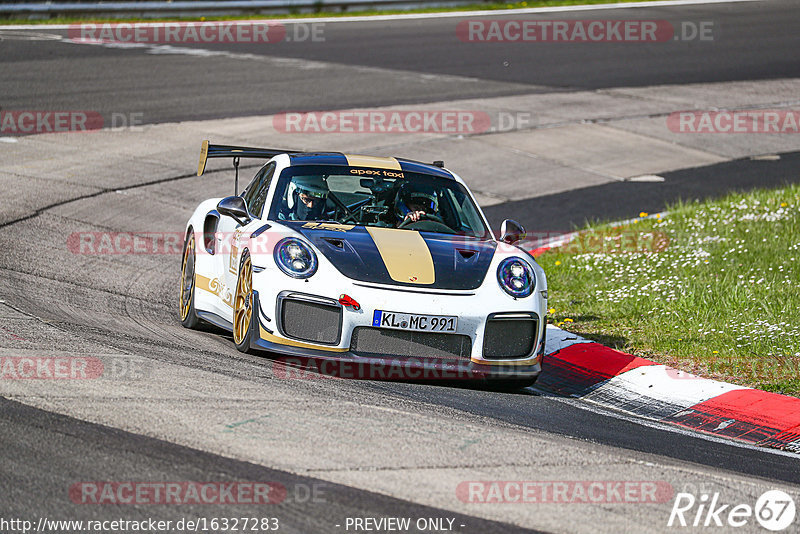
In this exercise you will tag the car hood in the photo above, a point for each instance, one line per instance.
(401, 257)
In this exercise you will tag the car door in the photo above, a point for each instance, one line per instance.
(234, 235)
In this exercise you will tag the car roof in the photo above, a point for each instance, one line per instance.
(353, 160)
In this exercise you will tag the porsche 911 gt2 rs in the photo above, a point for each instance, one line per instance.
(363, 259)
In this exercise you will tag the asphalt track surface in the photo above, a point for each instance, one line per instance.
(63, 446)
(44, 452)
(564, 212)
(752, 41)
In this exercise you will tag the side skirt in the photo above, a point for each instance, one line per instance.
(215, 319)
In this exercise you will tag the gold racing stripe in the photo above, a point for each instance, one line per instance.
(405, 254)
(213, 286)
(372, 161)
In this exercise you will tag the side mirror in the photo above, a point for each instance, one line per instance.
(234, 207)
(511, 231)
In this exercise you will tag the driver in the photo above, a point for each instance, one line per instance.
(305, 200)
(414, 203)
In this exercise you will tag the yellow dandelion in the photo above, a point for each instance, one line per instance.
(715, 351)
(551, 310)
(558, 263)
(642, 214)
(784, 204)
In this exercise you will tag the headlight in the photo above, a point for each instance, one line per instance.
(295, 258)
(516, 277)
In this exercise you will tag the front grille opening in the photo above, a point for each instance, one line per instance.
(311, 321)
(372, 341)
(509, 339)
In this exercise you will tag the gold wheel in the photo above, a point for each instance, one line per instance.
(243, 303)
(187, 280)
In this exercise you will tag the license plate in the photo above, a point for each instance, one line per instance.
(414, 321)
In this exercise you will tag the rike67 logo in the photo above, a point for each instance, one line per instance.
(774, 510)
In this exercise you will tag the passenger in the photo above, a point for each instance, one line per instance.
(415, 203)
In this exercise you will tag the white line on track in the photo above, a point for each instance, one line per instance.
(448, 14)
(298, 63)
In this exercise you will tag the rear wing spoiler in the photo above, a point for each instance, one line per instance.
(207, 150)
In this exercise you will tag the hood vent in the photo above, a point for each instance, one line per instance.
(337, 243)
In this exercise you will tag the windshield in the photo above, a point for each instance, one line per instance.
(376, 197)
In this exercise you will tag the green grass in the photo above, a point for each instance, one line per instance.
(719, 298)
(321, 13)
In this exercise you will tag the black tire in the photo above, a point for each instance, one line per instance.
(245, 314)
(186, 310)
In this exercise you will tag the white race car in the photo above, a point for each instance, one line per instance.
(364, 261)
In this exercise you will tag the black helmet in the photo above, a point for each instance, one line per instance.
(416, 194)
(312, 186)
